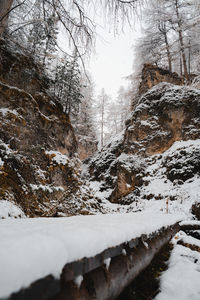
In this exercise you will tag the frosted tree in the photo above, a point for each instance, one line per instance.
(101, 108)
(83, 122)
(184, 19)
(156, 44)
(71, 15)
(118, 111)
(67, 85)
(5, 8)
(38, 31)
(169, 37)
(178, 22)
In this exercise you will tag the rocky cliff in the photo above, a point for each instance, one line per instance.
(159, 151)
(39, 164)
(86, 147)
(152, 75)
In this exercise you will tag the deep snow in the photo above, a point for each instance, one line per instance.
(33, 248)
(181, 280)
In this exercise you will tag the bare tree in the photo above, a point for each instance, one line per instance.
(171, 35)
(72, 14)
(101, 113)
(180, 33)
(5, 7)
(163, 30)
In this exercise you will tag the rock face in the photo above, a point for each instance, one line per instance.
(165, 115)
(86, 147)
(152, 75)
(39, 165)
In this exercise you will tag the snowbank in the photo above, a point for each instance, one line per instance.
(10, 210)
(181, 280)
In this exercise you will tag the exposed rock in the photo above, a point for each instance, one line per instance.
(152, 75)
(86, 147)
(164, 115)
(183, 163)
(39, 165)
(196, 210)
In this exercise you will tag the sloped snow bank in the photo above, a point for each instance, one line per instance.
(181, 280)
(33, 248)
(157, 188)
(10, 210)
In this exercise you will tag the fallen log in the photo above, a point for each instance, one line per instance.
(103, 276)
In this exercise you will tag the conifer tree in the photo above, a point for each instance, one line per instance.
(67, 85)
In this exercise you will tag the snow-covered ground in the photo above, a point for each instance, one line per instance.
(158, 189)
(181, 281)
(33, 248)
(10, 210)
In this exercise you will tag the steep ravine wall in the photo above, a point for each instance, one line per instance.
(39, 164)
(163, 115)
(153, 75)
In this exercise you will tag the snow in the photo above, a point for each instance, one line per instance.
(40, 173)
(6, 148)
(34, 248)
(1, 162)
(192, 222)
(62, 159)
(78, 280)
(146, 244)
(156, 184)
(5, 111)
(181, 280)
(10, 210)
(59, 158)
(190, 144)
(166, 94)
(107, 262)
(130, 162)
(124, 252)
(190, 240)
(46, 188)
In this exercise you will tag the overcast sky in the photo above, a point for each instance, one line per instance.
(114, 54)
(114, 59)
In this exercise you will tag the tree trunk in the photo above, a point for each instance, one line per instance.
(181, 71)
(180, 33)
(5, 6)
(102, 123)
(189, 59)
(168, 52)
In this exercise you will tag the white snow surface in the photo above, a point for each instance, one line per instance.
(157, 185)
(46, 188)
(181, 280)
(4, 111)
(58, 157)
(10, 210)
(33, 248)
(191, 222)
(1, 162)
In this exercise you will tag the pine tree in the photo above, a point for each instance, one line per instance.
(67, 85)
(83, 122)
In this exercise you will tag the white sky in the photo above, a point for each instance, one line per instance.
(113, 60)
